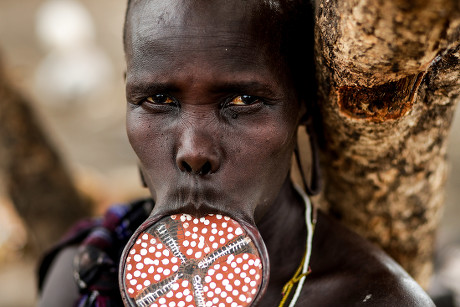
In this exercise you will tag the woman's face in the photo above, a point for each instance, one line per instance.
(210, 114)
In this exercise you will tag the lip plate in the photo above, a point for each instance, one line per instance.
(251, 231)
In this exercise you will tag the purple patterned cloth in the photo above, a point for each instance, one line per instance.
(101, 242)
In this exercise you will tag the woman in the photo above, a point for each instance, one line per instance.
(216, 91)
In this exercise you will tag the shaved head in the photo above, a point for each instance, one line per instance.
(283, 29)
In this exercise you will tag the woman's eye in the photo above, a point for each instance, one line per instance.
(160, 99)
(243, 100)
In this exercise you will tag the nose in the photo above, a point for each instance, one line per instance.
(197, 154)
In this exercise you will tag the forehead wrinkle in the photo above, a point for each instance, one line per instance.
(236, 51)
(149, 30)
(157, 16)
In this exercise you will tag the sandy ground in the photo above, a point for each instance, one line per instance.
(89, 131)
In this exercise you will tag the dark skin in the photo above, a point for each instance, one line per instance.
(207, 116)
(212, 115)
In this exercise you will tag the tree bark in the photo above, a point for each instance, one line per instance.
(33, 174)
(388, 74)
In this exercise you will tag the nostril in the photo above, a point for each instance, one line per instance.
(186, 167)
(205, 169)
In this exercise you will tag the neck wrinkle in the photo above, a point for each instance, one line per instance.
(284, 232)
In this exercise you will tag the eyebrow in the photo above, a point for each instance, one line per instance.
(139, 89)
(243, 87)
(249, 87)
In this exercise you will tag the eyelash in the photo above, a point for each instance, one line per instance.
(236, 104)
(253, 100)
(168, 100)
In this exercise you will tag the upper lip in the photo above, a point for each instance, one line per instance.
(198, 201)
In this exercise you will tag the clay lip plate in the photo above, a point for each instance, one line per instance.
(181, 260)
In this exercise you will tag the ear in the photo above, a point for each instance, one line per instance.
(311, 177)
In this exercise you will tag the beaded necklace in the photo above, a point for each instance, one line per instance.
(303, 269)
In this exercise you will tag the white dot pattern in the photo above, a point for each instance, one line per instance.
(188, 261)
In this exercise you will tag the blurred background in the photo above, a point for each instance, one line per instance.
(66, 57)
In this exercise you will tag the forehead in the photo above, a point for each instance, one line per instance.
(236, 31)
(210, 14)
(195, 13)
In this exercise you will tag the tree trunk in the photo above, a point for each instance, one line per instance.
(388, 74)
(33, 174)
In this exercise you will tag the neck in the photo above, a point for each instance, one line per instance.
(284, 233)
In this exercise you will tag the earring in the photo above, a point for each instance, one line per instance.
(313, 186)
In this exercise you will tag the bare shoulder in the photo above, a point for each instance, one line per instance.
(60, 288)
(352, 271)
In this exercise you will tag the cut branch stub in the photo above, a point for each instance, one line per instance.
(379, 103)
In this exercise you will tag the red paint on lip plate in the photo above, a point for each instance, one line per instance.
(186, 261)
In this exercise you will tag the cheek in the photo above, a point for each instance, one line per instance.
(272, 149)
(276, 140)
(139, 133)
(150, 143)
(262, 158)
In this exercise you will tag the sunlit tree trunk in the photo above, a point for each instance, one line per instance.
(33, 174)
(389, 81)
